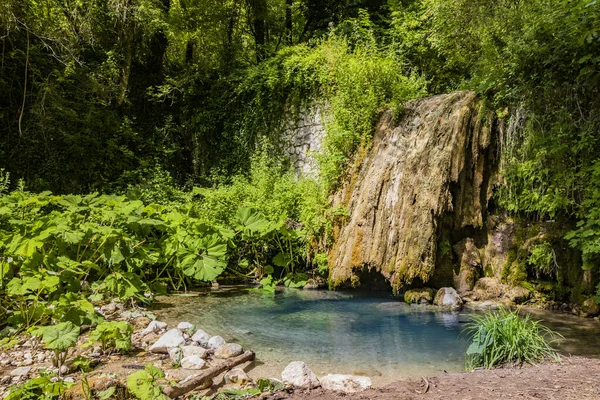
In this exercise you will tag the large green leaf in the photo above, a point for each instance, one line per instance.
(250, 220)
(59, 337)
(207, 261)
(143, 385)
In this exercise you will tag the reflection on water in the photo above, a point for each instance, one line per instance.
(349, 332)
(581, 336)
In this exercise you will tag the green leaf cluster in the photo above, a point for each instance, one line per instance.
(112, 335)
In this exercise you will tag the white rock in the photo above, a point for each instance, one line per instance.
(201, 338)
(229, 350)
(192, 362)
(215, 342)
(298, 374)
(27, 361)
(21, 371)
(185, 327)
(154, 327)
(40, 357)
(176, 355)
(194, 351)
(345, 383)
(448, 297)
(172, 338)
(63, 370)
(237, 375)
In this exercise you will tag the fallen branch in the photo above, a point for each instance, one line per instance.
(426, 385)
(204, 380)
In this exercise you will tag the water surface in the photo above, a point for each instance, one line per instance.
(333, 332)
(365, 333)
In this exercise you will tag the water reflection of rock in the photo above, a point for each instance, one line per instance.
(449, 319)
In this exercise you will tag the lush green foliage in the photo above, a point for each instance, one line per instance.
(40, 388)
(503, 336)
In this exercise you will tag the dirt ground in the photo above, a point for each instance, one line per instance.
(573, 378)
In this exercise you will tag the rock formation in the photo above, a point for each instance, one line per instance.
(432, 169)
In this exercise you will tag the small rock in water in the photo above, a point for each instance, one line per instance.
(192, 362)
(298, 374)
(237, 375)
(185, 327)
(171, 338)
(21, 371)
(154, 327)
(175, 354)
(448, 297)
(194, 351)
(229, 350)
(215, 342)
(201, 338)
(345, 383)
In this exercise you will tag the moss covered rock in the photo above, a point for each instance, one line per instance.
(487, 289)
(590, 308)
(419, 296)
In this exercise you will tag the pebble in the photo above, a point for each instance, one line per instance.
(175, 354)
(154, 327)
(40, 357)
(185, 327)
(21, 371)
(28, 361)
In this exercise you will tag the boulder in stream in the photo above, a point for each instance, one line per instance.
(299, 375)
(448, 297)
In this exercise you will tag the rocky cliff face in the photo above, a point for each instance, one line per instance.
(427, 174)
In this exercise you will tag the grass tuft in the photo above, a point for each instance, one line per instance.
(503, 336)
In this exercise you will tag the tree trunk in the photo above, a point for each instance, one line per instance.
(259, 8)
(204, 381)
(128, 30)
(288, 22)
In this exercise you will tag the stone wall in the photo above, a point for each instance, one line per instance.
(302, 139)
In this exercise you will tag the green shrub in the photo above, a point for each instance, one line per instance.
(113, 335)
(503, 336)
(143, 385)
(40, 388)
